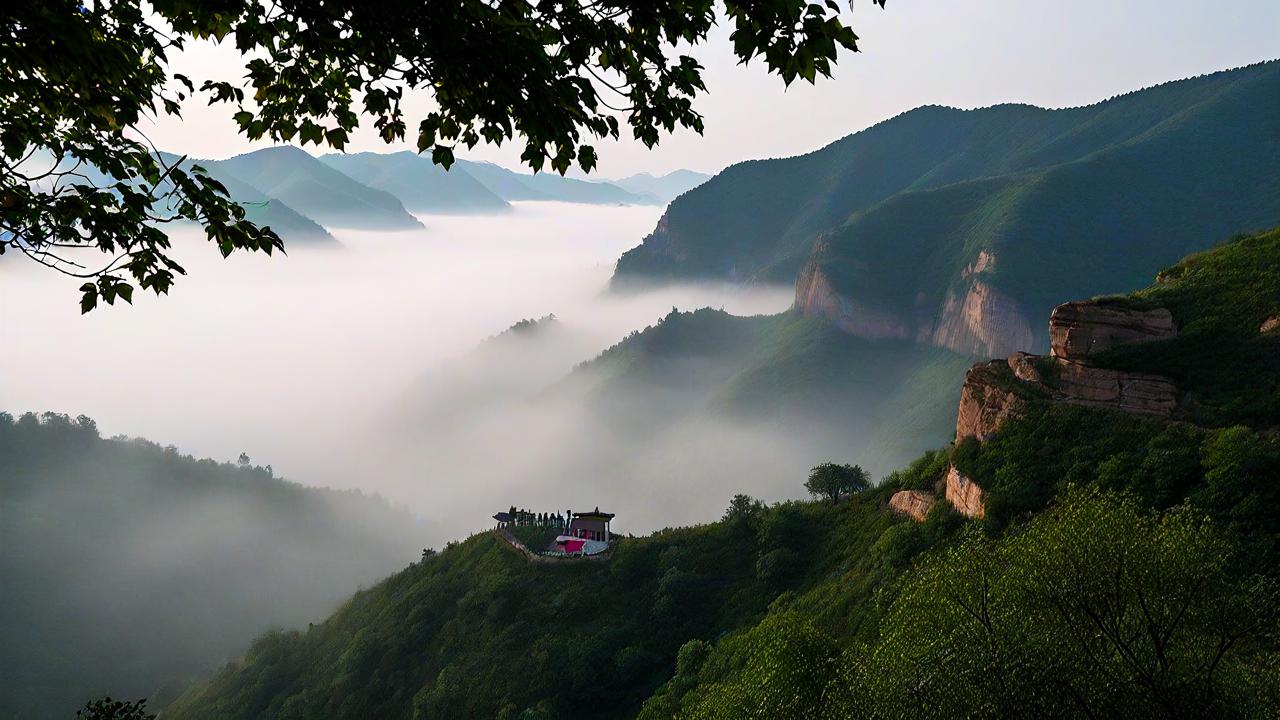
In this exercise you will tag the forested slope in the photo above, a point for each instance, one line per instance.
(1126, 566)
(130, 569)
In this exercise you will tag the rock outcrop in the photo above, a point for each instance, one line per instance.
(815, 297)
(914, 504)
(988, 399)
(964, 494)
(1269, 324)
(996, 391)
(1080, 329)
(984, 321)
(1137, 393)
(974, 318)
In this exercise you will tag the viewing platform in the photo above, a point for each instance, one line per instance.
(557, 536)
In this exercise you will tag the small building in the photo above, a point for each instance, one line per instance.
(592, 525)
(570, 545)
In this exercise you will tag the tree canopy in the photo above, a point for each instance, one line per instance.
(830, 480)
(80, 77)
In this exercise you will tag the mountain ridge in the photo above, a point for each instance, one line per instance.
(1021, 185)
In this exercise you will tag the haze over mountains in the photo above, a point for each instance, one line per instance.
(664, 187)
(961, 228)
(913, 247)
(300, 196)
(130, 568)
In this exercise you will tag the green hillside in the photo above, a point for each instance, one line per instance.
(793, 372)
(1126, 567)
(417, 182)
(316, 190)
(131, 569)
(1139, 178)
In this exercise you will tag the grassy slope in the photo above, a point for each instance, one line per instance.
(1226, 369)
(479, 632)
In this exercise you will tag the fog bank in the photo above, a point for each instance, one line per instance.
(310, 361)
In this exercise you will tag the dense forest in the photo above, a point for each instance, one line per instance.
(1126, 566)
(132, 569)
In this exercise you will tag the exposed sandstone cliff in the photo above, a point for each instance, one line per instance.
(964, 494)
(1079, 329)
(914, 504)
(984, 322)
(1137, 393)
(989, 397)
(815, 297)
(974, 318)
(996, 391)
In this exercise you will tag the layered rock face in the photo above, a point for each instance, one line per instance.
(914, 504)
(1136, 393)
(988, 399)
(994, 392)
(997, 391)
(815, 297)
(984, 322)
(1079, 329)
(975, 318)
(964, 494)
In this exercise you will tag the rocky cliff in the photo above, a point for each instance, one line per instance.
(964, 494)
(990, 396)
(997, 391)
(914, 504)
(815, 297)
(985, 321)
(994, 391)
(973, 318)
(1079, 329)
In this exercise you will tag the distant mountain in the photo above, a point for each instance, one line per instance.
(131, 569)
(418, 182)
(291, 225)
(963, 228)
(318, 191)
(512, 186)
(663, 187)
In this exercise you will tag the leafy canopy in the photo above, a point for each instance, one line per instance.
(830, 480)
(1099, 608)
(78, 173)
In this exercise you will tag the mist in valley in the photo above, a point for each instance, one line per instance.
(374, 366)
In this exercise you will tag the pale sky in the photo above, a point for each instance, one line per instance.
(946, 52)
